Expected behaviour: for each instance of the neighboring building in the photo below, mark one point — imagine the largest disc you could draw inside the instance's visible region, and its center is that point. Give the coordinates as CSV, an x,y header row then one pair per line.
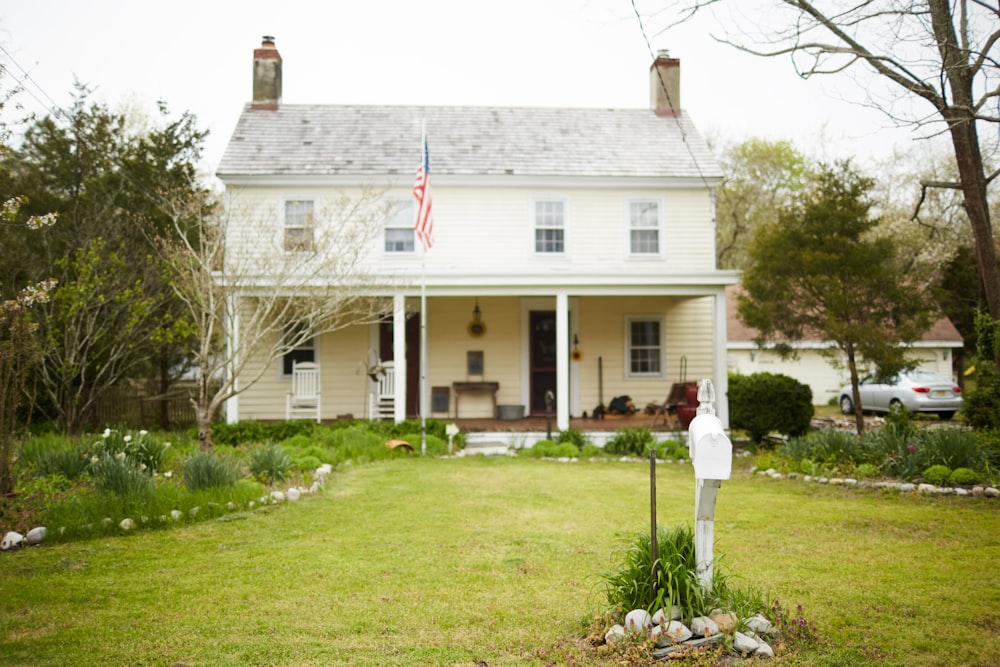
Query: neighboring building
x,y
582,241
935,351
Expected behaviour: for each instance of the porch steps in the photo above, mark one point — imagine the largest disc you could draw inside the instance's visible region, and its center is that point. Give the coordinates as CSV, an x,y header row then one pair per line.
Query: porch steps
x,y
486,448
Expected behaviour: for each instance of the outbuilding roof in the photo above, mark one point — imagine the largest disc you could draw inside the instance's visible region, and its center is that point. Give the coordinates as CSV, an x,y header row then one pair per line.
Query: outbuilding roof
x,y
371,141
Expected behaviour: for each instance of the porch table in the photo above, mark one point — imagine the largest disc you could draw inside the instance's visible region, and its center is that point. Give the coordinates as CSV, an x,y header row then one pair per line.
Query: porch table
x,y
476,387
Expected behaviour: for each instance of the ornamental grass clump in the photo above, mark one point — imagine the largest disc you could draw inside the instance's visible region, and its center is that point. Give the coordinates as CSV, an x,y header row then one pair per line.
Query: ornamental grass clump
x,y
205,470
630,585
631,442
119,474
269,463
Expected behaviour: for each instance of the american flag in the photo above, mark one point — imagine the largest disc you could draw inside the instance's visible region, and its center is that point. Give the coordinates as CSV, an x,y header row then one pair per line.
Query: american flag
x,y
422,191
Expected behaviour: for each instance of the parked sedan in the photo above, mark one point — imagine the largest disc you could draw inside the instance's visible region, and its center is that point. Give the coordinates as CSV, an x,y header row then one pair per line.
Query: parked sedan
x,y
918,391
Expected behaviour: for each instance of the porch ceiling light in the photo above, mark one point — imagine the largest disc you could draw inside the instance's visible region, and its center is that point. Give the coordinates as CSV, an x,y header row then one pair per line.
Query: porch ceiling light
x,y
477,327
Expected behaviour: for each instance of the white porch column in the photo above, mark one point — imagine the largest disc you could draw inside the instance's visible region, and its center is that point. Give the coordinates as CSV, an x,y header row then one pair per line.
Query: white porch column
x,y
399,357
720,369
562,361
233,344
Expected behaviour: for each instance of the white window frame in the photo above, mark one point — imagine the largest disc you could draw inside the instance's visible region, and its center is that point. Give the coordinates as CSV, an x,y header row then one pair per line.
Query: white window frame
x,y
536,227
630,373
308,226
394,220
631,225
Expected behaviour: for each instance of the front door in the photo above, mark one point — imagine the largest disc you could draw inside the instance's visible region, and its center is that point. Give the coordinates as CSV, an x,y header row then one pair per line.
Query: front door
x,y
542,358
412,359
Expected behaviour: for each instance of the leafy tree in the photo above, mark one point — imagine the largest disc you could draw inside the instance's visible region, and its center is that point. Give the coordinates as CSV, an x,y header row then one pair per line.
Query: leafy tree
x,y
937,61
113,310
762,177
819,272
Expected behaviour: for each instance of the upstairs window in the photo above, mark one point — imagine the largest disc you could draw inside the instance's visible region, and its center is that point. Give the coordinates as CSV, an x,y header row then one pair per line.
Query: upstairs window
x,y
550,227
399,226
298,225
644,342
644,228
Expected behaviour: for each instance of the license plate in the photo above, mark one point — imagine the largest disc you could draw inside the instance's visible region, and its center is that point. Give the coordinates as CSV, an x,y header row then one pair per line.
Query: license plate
x,y
941,393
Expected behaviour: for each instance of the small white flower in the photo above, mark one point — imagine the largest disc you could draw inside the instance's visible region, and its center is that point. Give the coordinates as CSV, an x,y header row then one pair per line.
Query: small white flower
x,y
127,438
120,456
166,444
93,459
143,432
168,474
142,466
107,432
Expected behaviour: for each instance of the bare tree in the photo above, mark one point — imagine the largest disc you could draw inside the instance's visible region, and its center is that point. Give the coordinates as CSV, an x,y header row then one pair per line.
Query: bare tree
x,y
255,295
943,52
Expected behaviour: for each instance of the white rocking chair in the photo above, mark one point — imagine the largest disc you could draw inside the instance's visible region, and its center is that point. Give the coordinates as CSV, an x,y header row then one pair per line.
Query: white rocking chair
x,y
303,400
383,395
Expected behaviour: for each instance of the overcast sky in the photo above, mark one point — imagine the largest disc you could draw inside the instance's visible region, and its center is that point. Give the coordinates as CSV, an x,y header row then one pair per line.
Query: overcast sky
x,y
577,53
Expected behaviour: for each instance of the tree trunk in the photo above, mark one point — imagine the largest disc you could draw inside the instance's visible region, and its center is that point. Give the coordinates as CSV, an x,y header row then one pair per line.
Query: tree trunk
x,y
852,367
960,116
204,418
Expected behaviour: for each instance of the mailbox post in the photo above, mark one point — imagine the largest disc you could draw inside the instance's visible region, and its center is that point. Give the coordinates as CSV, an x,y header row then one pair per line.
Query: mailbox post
x,y
712,455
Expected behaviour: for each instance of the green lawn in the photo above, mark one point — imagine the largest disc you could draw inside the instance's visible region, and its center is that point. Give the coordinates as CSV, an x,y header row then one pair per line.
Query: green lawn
x,y
453,562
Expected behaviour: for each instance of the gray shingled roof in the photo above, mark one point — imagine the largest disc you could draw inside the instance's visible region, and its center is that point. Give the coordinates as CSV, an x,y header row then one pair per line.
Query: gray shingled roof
x,y
321,140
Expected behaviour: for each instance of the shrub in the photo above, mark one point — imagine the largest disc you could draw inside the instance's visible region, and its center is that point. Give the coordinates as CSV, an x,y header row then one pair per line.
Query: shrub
x,y
547,448
573,436
937,474
952,447
591,451
764,402
204,470
964,476
269,463
631,442
259,432
671,449
865,471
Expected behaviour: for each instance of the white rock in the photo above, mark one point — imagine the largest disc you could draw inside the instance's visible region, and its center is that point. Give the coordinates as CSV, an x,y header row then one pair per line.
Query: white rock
x,y
850,481
194,511
127,524
764,650
106,521
760,625
906,487
991,492
959,491
36,535
324,470
926,488
11,540
744,643
637,621
836,481
978,491
176,515
231,506
656,634
293,494
615,634
703,626
661,618
277,496
677,632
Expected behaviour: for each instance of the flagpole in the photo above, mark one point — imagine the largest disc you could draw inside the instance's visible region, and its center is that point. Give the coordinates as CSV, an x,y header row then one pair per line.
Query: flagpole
x,y
423,312
423,354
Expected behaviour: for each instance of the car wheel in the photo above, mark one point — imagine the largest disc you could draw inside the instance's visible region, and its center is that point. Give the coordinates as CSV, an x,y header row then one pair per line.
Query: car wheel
x,y
945,416
846,405
896,406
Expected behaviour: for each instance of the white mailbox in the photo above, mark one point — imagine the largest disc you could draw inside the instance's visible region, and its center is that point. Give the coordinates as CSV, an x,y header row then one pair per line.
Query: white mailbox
x,y
710,447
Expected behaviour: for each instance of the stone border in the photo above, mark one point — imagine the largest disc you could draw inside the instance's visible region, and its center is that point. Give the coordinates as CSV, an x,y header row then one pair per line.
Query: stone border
x,y
977,491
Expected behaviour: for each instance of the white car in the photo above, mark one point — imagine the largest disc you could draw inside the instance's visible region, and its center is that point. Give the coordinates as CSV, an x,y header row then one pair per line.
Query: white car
x,y
918,391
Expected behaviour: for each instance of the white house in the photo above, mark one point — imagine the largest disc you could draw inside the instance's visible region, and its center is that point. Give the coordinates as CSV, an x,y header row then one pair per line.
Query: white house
x,y
934,351
574,249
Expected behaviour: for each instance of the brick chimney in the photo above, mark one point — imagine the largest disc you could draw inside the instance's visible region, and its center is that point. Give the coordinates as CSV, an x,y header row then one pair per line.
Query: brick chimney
x,y
266,75
665,84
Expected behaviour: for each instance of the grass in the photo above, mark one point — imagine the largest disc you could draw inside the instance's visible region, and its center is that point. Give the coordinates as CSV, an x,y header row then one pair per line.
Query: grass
x,y
452,562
